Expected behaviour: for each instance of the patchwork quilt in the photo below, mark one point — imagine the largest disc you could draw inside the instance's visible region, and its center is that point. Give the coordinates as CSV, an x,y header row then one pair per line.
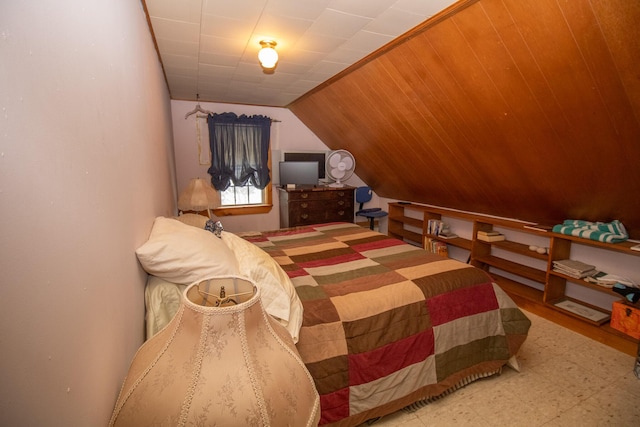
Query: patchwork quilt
x,y
387,324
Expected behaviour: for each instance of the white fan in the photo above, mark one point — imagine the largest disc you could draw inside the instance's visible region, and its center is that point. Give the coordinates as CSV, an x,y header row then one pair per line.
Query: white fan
x,y
340,165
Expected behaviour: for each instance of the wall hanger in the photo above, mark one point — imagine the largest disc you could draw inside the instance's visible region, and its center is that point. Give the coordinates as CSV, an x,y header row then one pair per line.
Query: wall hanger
x,y
198,109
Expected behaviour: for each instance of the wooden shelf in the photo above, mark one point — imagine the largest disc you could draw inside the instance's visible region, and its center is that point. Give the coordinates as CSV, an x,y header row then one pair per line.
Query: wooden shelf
x,y
512,267
456,241
584,283
519,248
514,288
407,220
413,236
622,247
606,319
537,301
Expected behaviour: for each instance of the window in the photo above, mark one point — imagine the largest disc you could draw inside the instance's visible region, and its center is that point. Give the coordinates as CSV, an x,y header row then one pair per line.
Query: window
x,y
245,195
244,200
240,163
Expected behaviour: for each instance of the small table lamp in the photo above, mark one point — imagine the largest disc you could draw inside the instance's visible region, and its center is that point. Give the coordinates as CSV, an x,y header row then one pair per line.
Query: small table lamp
x,y
222,361
198,196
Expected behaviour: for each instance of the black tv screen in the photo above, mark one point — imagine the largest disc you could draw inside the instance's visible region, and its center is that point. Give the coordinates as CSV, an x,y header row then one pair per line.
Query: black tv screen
x,y
299,173
308,157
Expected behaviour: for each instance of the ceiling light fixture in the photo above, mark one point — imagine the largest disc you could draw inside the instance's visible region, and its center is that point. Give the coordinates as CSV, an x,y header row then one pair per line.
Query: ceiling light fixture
x,y
268,56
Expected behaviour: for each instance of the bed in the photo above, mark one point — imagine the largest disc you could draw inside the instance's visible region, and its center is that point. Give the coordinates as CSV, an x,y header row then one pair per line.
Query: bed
x,y
380,324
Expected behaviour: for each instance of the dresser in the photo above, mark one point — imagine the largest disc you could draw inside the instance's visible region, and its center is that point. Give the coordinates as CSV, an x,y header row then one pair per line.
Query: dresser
x,y
305,206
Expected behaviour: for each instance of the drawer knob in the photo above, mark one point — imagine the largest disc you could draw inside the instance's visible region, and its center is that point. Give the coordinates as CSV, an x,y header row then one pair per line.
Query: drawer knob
x,y
304,205
304,216
341,202
341,193
304,195
341,213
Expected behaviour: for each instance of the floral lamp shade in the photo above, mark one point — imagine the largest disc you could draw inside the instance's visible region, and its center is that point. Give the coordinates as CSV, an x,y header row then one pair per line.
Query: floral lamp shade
x,y
221,361
198,196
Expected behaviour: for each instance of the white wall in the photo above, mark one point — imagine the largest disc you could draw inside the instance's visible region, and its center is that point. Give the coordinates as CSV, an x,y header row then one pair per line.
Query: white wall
x,y
86,163
288,134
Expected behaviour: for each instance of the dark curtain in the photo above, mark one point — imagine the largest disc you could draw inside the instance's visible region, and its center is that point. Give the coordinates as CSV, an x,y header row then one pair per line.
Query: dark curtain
x,y
239,150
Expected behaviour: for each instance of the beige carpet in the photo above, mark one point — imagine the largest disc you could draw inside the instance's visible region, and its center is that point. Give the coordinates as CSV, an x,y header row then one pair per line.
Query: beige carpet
x,y
565,379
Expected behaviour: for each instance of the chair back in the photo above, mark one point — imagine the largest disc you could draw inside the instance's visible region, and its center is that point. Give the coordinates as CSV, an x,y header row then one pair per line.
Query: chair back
x,y
363,195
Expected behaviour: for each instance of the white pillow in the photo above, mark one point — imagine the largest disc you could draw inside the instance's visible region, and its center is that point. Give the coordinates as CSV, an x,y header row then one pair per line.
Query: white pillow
x,y
279,296
162,299
184,254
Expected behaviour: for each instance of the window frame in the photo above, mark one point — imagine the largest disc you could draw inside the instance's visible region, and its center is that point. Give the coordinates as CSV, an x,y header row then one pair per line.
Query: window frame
x,y
262,208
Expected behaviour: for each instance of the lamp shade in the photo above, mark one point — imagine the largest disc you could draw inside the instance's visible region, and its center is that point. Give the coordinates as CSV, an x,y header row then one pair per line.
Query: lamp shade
x,y
225,365
198,196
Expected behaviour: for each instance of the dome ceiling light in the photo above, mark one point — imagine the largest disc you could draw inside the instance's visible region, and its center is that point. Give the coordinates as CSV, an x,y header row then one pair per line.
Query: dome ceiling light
x,y
268,56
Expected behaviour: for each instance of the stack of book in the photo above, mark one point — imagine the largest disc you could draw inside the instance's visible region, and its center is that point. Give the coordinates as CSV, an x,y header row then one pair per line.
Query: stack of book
x,y
573,268
435,226
490,236
438,228
436,247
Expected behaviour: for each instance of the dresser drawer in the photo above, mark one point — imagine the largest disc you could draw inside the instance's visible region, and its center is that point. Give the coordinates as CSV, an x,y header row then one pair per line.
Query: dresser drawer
x,y
320,195
311,215
321,205
317,206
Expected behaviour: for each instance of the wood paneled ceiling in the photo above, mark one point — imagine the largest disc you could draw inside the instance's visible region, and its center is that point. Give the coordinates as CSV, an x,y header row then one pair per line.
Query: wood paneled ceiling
x,y
527,109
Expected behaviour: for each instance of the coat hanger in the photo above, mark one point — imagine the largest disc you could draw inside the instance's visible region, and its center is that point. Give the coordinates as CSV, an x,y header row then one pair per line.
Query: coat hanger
x,y
198,109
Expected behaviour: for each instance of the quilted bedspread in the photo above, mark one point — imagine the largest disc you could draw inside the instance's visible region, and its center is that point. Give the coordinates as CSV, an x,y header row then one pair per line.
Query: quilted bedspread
x,y
387,324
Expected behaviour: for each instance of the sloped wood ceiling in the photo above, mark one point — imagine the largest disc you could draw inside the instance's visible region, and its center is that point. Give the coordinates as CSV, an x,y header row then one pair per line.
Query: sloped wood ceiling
x,y
526,109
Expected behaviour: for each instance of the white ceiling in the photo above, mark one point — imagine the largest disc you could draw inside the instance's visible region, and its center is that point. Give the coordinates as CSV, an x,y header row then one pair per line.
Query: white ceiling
x,y
210,48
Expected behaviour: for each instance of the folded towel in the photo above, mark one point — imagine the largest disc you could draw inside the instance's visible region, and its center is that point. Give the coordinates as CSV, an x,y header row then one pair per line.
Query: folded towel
x,y
608,232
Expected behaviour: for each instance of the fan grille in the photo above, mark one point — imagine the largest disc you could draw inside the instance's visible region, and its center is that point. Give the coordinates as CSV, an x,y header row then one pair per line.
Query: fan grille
x,y
340,166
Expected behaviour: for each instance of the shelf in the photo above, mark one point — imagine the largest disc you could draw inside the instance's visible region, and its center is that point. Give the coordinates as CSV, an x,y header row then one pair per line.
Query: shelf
x,y
623,247
408,220
583,304
514,288
512,267
456,241
408,235
519,248
584,283
485,256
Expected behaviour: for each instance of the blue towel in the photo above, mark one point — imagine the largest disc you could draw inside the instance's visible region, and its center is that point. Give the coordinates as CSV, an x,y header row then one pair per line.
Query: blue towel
x,y
608,232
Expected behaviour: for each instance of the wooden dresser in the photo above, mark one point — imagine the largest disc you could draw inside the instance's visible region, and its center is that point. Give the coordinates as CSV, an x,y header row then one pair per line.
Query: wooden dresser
x,y
306,206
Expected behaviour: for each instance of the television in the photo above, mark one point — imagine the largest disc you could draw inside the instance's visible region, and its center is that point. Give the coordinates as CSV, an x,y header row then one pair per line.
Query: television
x,y
308,156
299,173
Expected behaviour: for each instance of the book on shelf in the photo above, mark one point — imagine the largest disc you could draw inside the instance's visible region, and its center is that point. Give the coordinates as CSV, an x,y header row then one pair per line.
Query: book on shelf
x,y
491,238
488,233
436,247
435,226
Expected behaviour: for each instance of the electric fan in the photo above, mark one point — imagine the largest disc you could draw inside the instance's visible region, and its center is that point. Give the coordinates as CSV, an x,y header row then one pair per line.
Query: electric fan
x,y
340,166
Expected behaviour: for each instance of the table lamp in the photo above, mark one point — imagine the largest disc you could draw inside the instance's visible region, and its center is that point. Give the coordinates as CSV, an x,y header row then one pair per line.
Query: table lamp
x,y
223,361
